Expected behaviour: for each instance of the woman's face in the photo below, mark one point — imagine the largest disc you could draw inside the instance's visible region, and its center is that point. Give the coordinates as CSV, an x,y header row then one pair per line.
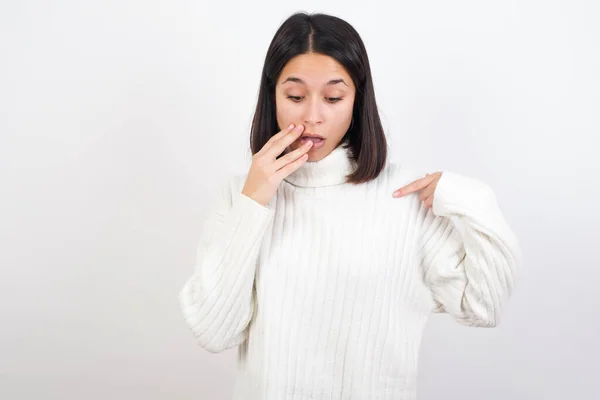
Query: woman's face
x,y
315,90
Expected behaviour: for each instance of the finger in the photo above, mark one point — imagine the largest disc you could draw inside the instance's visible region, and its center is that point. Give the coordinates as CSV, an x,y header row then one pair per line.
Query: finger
x,y
291,167
429,201
292,156
410,188
281,133
276,137
277,147
414,186
427,191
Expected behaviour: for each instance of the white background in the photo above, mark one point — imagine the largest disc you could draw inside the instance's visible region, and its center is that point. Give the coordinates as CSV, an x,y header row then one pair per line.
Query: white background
x,y
118,119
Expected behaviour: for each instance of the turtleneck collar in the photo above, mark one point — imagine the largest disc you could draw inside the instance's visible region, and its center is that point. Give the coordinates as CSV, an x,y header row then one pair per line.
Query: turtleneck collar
x,y
330,170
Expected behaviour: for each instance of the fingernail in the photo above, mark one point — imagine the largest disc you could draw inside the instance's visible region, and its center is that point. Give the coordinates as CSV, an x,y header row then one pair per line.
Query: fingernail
x,y
299,127
291,126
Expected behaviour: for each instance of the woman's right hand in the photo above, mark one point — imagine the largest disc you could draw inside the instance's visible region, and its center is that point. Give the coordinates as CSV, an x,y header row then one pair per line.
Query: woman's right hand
x,y
267,171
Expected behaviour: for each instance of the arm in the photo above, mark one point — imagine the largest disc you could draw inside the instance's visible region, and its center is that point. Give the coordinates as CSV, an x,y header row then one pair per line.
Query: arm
x,y
468,252
218,300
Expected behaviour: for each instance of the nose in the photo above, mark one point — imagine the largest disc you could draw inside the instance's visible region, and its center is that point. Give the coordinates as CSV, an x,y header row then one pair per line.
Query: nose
x,y
314,114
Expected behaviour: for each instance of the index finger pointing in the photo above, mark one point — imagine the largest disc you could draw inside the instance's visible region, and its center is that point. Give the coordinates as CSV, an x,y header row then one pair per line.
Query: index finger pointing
x,y
413,186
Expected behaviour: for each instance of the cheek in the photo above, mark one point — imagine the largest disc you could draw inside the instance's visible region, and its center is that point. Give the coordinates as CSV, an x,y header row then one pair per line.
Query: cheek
x,y
285,114
343,114
279,111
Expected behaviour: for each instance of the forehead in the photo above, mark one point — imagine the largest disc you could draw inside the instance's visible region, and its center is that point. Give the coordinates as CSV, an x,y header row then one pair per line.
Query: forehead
x,y
314,69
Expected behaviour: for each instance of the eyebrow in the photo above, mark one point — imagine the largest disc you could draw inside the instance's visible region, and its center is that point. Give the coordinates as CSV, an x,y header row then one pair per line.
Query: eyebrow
x,y
298,80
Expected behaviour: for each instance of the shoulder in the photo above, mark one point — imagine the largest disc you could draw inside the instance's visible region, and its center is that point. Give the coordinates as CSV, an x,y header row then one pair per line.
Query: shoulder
x,y
393,177
396,175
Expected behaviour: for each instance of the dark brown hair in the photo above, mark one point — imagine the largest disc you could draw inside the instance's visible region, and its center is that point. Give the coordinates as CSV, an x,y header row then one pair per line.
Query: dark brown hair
x,y
325,34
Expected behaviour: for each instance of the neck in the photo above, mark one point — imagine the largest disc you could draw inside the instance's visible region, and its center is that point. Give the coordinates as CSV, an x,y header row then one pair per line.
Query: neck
x,y
328,171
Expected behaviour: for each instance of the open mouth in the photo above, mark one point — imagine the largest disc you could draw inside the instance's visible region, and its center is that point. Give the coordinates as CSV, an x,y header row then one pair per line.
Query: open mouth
x,y
317,141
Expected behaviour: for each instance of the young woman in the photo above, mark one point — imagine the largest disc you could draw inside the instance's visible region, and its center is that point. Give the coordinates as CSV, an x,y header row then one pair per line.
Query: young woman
x,y
324,261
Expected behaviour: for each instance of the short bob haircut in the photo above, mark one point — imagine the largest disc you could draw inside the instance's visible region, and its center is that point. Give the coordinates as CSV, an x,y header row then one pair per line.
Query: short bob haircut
x,y
325,34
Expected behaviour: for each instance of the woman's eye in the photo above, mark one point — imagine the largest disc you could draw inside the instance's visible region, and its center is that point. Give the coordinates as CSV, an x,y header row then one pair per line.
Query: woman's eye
x,y
298,99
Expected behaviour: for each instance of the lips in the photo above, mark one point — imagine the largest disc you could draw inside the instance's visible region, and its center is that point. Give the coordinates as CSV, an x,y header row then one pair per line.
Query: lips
x,y
318,141
311,135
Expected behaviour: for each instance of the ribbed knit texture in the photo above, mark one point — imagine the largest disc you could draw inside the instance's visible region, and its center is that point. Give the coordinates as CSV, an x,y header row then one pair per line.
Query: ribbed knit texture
x,y
328,288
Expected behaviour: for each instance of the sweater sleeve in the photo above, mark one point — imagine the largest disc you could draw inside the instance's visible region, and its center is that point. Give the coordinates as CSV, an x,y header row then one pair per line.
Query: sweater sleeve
x,y
468,252
218,300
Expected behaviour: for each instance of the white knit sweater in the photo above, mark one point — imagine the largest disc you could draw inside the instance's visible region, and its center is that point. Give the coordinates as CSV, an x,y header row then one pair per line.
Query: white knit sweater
x,y
327,290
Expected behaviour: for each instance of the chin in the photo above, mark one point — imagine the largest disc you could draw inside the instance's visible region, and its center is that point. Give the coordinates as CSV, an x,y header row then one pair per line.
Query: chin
x,y
314,155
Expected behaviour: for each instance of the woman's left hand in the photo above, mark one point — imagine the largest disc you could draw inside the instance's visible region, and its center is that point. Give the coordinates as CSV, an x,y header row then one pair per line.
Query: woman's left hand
x,y
425,185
